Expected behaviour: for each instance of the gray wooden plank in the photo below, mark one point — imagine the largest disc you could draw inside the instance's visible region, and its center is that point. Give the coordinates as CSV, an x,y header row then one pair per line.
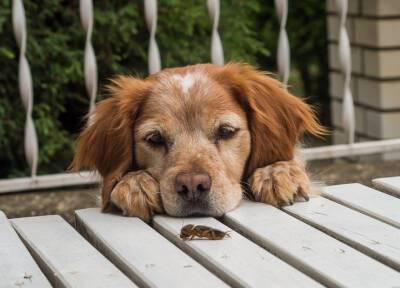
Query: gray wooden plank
x,y
142,253
360,231
48,181
238,261
324,258
67,259
366,200
390,185
17,267
343,150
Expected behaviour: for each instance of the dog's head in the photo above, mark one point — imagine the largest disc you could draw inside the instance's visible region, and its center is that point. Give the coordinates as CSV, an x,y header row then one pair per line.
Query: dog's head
x,y
198,130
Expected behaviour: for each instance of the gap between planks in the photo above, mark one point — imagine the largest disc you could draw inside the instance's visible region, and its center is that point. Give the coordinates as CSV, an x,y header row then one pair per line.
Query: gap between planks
x,y
237,260
67,259
364,233
141,252
317,254
389,185
17,267
366,200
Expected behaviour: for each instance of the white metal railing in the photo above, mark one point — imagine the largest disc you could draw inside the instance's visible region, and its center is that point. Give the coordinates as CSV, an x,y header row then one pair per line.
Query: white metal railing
x,y
86,9
217,52
150,8
348,116
25,86
283,53
217,57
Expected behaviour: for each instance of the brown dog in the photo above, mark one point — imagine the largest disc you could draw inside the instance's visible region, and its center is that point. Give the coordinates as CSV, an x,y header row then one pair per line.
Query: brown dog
x,y
185,140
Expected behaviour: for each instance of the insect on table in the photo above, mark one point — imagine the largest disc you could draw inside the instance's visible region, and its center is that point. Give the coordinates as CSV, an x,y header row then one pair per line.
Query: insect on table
x,y
190,231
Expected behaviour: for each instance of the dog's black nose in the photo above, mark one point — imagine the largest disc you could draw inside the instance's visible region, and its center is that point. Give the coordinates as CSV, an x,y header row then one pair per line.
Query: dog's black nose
x,y
192,186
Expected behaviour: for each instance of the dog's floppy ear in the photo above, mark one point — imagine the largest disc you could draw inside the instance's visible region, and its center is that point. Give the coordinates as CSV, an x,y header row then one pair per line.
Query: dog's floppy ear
x,y
106,143
277,119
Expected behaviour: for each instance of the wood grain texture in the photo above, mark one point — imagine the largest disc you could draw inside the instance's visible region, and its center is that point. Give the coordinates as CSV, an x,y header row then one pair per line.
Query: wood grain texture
x,y
360,231
343,150
238,261
366,200
67,259
390,185
322,257
48,181
17,267
142,253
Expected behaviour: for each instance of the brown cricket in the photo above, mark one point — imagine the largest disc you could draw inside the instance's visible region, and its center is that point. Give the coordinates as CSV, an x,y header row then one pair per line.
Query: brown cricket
x,y
190,231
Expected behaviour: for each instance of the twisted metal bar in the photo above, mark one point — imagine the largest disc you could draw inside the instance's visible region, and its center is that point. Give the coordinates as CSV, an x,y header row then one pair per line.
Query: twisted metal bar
x,y
348,117
25,86
283,55
86,11
150,9
217,52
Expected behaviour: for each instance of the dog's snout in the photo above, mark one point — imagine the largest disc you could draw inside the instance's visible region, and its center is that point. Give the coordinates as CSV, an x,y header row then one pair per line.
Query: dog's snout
x,y
192,186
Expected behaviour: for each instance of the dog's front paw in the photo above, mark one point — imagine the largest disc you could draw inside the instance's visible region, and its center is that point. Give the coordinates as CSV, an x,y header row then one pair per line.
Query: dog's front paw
x,y
137,194
280,183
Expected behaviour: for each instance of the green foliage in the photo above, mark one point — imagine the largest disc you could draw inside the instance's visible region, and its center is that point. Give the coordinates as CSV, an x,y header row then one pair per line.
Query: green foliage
x,y
55,53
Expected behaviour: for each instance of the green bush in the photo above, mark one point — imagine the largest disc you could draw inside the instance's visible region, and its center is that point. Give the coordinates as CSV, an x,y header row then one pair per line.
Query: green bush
x,y
55,53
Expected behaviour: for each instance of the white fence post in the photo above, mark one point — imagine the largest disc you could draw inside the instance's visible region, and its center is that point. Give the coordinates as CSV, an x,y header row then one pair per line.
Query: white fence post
x,y
25,86
86,11
283,55
150,9
217,52
348,117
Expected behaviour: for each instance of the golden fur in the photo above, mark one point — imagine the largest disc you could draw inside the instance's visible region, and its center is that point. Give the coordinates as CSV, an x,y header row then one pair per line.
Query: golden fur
x,y
187,107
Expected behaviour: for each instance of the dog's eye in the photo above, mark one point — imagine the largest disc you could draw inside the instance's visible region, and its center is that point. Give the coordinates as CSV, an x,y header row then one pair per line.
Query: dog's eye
x,y
155,139
226,132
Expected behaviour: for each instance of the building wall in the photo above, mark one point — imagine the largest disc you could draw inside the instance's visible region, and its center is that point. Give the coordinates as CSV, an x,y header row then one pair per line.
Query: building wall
x,y
374,32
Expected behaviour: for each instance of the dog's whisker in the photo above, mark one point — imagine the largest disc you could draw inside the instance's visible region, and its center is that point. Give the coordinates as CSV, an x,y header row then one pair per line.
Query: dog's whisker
x,y
245,184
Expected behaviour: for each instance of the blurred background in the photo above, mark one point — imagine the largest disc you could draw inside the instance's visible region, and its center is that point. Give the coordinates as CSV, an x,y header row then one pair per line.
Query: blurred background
x,y
249,31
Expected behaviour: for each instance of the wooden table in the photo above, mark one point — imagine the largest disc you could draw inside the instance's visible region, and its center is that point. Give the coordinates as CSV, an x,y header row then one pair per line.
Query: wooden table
x,y
348,237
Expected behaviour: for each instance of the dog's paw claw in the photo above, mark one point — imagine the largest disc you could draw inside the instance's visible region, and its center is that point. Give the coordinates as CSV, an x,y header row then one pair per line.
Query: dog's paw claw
x,y
280,183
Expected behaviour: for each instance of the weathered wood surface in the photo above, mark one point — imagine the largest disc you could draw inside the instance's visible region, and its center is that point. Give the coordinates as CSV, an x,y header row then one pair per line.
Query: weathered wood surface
x,y
360,231
67,259
324,258
17,267
366,200
348,237
344,150
48,181
390,185
238,261
142,253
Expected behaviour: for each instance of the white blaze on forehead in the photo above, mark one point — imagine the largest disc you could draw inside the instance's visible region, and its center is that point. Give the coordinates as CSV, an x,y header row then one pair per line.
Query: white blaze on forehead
x,y
186,81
